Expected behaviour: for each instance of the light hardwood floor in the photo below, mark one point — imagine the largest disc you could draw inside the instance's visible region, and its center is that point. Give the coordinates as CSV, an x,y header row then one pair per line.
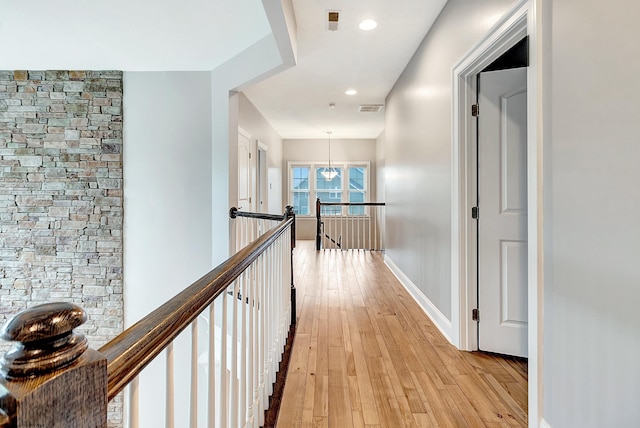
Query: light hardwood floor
x,y
365,355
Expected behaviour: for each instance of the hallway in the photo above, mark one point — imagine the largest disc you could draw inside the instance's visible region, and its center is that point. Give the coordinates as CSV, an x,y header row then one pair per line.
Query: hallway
x,y
365,355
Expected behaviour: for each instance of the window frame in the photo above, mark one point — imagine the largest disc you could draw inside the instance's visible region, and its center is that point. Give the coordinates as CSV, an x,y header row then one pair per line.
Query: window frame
x,y
313,167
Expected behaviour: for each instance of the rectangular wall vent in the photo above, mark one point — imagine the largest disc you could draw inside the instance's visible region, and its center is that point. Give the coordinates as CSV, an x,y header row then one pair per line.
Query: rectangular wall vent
x,y
370,108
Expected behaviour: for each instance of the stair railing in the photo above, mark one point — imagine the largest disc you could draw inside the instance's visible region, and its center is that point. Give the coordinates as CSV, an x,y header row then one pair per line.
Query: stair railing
x,y
51,378
350,225
248,226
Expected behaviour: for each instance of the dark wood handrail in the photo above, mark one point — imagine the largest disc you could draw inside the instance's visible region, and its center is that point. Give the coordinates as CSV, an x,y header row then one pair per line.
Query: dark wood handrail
x,y
136,347
347,204
233,213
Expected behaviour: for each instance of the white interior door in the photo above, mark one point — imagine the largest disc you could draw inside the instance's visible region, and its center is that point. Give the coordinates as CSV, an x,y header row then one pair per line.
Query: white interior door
x,y
502,202
245,188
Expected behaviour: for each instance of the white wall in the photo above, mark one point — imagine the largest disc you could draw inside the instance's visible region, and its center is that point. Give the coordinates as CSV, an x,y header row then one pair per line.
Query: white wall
x,y
251,120
167,199
417,149
592,201
380,169
380,174
167,185
318,151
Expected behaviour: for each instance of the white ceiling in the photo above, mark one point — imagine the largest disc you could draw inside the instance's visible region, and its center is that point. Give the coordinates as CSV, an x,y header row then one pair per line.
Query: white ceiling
x,y
127,35
137,35
296,101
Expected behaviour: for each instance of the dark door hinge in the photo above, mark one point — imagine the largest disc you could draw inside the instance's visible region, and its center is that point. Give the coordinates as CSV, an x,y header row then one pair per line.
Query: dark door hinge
x,y
475,110
475,315
475,212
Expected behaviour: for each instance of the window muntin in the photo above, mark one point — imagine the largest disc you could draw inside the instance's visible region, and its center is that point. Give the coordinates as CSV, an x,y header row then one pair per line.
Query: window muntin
x,y
357,189
349,185
329,190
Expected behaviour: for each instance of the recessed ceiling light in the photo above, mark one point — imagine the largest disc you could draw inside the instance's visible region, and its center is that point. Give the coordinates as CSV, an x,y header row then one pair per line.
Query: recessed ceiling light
x,y
368,24
350,92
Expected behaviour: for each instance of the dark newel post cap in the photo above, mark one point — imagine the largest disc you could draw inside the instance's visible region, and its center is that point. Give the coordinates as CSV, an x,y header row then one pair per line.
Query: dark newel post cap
x,y
288,211
233,212
44,339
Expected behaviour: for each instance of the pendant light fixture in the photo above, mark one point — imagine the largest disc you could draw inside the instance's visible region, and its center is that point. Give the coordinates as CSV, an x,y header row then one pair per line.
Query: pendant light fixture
x,y
329,173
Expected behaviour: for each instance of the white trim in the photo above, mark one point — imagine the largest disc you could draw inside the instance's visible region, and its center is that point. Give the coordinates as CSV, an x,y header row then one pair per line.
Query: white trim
x,y
438,318
535,202
521,20
544,424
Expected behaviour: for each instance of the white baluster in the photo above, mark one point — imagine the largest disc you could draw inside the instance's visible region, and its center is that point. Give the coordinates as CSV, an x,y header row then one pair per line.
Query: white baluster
x,y
333,231
169,405
243,348
381,227
211,410
356,232
374,220
276,326
250,344
360,244
134,403
260,337
261,334
362,225
371,212
341,227
278,319
224,381
193,408
233,395
267,327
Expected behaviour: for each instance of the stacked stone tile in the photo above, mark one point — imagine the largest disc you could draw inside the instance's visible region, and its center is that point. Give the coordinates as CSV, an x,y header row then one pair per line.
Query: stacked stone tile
x,y
61,194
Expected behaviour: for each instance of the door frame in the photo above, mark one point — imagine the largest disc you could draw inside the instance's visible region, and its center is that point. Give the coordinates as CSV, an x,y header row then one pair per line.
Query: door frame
x,y
262,179
517,23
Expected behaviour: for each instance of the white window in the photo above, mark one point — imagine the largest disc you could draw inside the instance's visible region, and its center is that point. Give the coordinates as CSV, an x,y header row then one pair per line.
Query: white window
x,y
349,184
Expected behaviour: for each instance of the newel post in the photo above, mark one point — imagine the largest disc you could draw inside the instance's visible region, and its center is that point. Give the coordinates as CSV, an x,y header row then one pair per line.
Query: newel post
x,y
50,377
318,226
289,213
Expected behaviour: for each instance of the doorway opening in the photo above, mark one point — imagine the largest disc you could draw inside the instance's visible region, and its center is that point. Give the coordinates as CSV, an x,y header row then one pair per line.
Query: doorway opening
x,y
246,172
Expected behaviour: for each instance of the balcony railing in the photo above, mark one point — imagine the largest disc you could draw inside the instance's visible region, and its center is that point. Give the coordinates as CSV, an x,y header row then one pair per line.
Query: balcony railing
x,y
350,225
242,310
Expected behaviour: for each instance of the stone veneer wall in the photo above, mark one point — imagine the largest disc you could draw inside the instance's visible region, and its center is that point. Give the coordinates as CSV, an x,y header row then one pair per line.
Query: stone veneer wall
x,y
61,196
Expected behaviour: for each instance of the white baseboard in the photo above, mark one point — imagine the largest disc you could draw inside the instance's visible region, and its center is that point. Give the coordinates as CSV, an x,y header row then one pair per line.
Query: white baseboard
x,y
544,424
440,321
